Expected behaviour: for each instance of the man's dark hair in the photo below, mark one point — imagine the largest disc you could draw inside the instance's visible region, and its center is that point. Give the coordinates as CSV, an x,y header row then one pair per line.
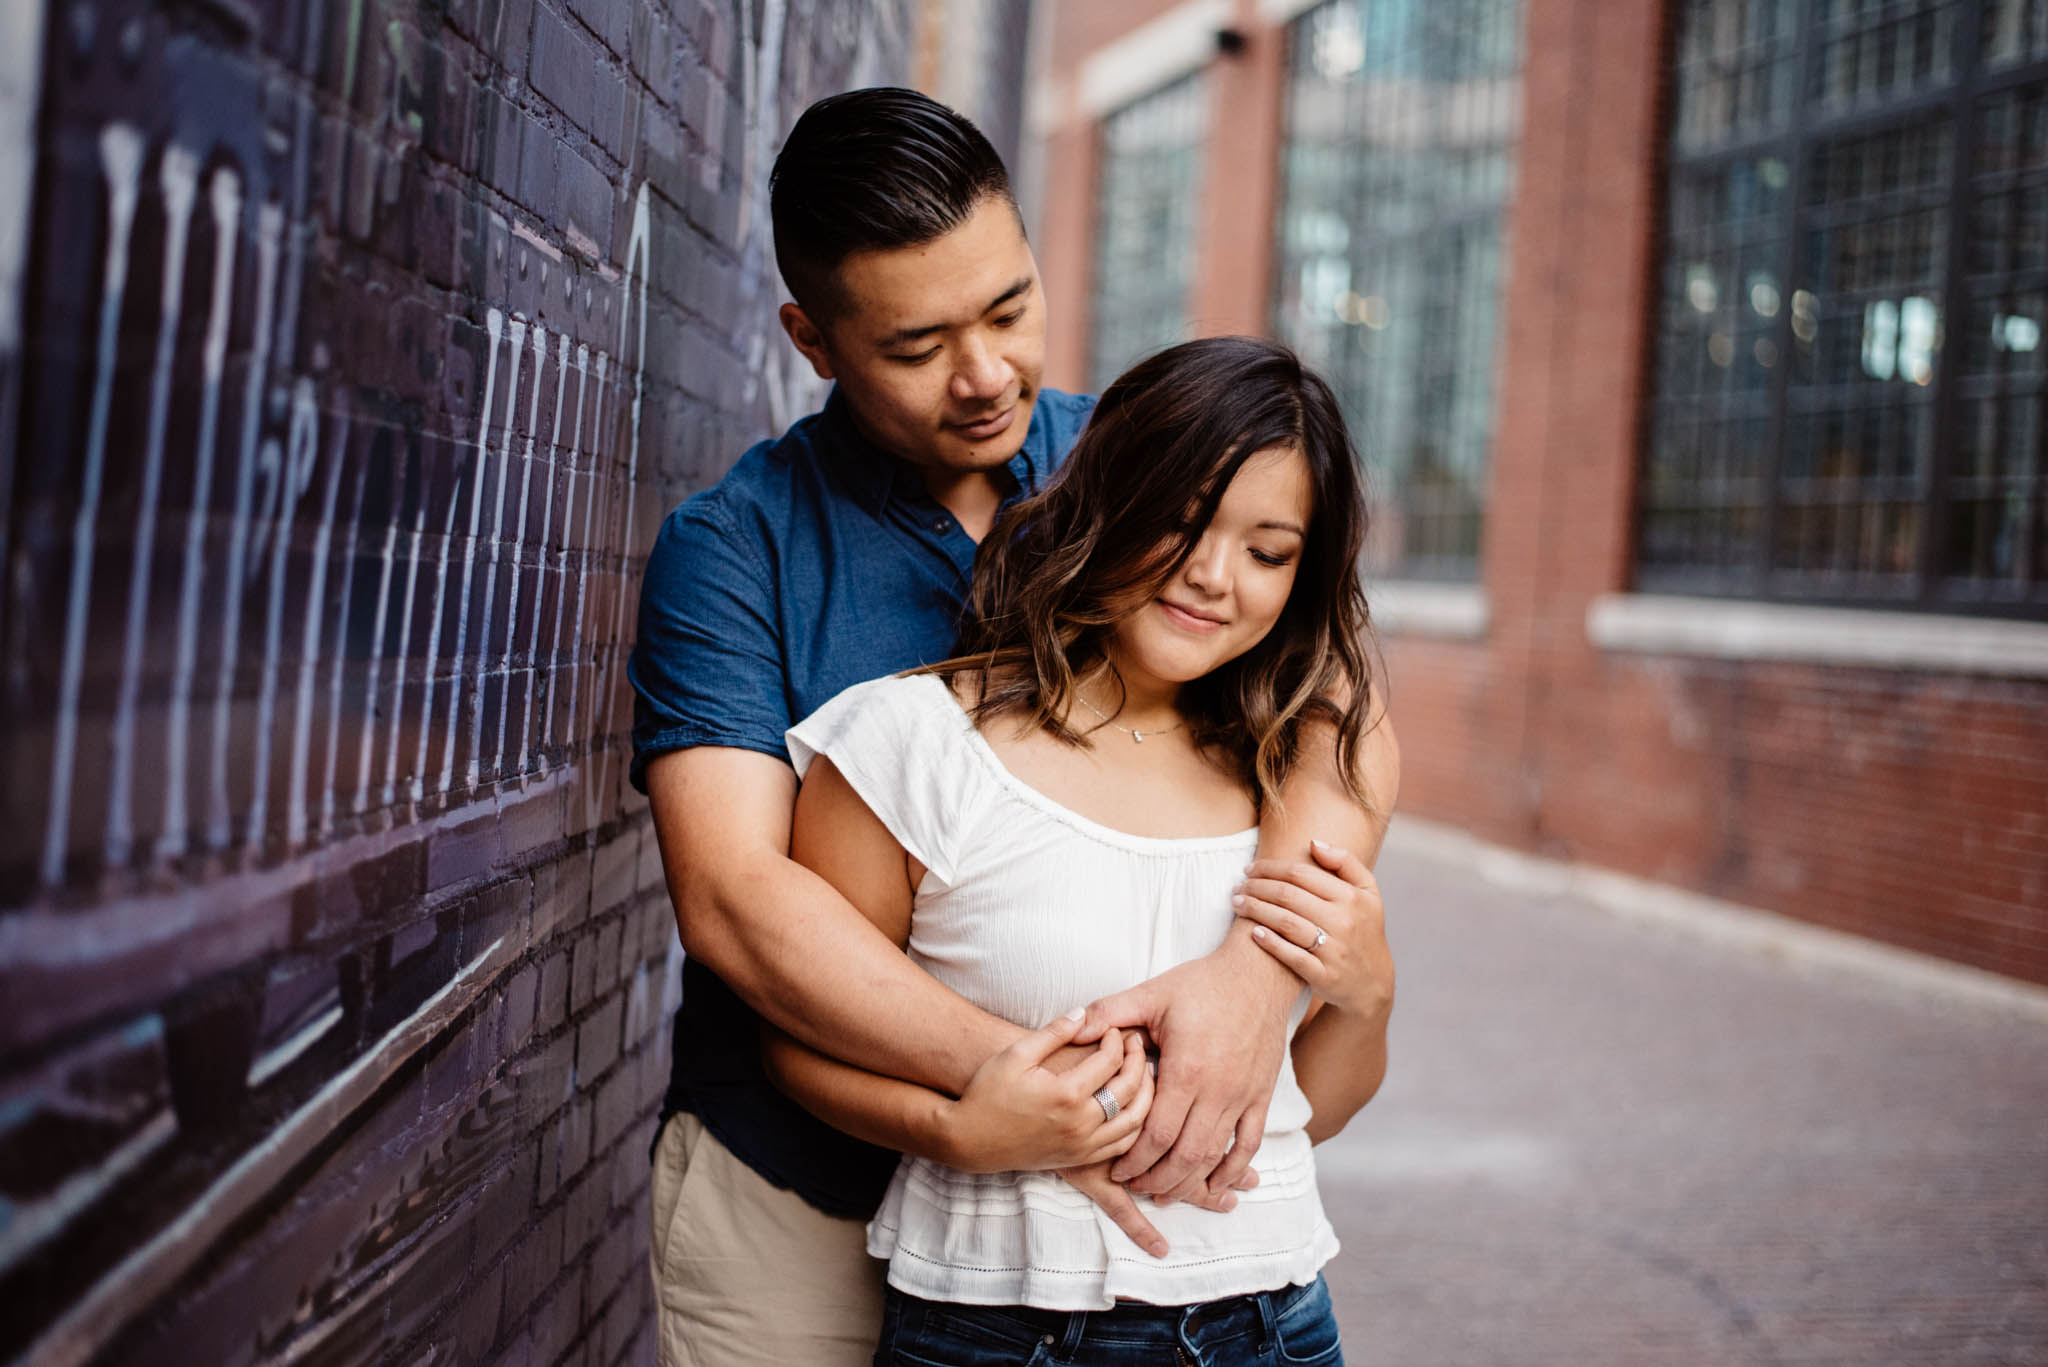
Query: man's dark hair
x,y
878,168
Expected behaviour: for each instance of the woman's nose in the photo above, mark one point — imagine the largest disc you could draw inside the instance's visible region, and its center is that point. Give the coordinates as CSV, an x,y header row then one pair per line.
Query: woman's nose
x,y
1208,569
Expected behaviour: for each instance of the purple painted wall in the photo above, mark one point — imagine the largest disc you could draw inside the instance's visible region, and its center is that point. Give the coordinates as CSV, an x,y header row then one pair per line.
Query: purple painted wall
x,y
350,351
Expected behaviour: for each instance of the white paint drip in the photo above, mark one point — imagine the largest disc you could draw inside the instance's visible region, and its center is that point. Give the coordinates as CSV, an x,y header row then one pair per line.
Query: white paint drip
x,y
540,360
494,324
547,734
589,551
121,153
330,793
293,475
412,582
562,560
309,656
480,683
381,621
547,530
269,226
515,348
636,244
225,199
179,179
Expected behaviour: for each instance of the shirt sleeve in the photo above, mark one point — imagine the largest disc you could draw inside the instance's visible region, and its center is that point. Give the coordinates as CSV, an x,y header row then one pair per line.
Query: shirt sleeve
x,y
706,667
904,758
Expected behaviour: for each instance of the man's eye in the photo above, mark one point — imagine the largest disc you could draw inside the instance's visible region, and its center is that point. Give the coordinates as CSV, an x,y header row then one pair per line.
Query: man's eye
x,y
919,359
1009,319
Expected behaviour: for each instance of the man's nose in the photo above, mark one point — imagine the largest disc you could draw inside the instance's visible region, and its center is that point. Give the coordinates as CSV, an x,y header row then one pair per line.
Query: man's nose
x,y
981,372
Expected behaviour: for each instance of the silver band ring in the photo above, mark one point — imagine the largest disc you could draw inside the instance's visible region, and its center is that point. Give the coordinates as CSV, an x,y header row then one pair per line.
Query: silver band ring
x,y
1322,938
1107,1100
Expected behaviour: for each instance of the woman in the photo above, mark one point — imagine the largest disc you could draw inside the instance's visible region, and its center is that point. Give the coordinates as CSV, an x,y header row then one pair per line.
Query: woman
x,y
1067,808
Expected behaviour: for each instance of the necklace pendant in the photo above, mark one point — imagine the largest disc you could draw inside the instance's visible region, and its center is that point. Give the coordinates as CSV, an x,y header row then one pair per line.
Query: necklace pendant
x,y
1137,737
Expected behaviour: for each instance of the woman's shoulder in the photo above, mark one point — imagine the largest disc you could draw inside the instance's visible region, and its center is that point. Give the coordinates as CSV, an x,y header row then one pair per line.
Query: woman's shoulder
x,y
898,712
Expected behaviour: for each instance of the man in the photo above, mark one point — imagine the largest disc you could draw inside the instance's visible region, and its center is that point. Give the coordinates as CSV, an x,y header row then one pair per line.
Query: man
x,y
838,553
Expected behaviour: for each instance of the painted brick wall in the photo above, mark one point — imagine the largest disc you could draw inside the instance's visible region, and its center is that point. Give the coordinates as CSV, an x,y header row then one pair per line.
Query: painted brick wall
x,y
353,349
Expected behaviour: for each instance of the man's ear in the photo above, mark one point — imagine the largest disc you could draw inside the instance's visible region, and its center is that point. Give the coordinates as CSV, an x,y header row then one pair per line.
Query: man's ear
x,y
807,338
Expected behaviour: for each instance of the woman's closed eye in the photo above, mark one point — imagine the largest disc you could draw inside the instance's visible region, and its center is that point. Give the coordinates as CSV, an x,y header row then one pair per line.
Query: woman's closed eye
x,y
1272,559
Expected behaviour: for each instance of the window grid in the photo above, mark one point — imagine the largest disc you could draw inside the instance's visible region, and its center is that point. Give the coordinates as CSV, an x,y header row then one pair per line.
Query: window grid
x,y
1848,388
1145,239
1402,123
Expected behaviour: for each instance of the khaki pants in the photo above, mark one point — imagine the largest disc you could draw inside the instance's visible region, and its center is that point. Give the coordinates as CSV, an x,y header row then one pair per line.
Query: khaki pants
x,y
747,1273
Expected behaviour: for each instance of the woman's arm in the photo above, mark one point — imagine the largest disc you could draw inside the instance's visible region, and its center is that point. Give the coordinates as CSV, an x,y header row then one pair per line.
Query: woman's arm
x,y
1017,1112
995,1126
1324,921
1340,1051
1221,1020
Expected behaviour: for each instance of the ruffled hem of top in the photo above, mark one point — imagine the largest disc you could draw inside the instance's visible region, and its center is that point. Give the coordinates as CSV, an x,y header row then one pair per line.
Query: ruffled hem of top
x,y
1031,1239
1057,1288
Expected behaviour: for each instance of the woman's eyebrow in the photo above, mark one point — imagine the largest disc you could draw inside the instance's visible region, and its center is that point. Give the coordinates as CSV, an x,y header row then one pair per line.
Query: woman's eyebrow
x,y
1294,527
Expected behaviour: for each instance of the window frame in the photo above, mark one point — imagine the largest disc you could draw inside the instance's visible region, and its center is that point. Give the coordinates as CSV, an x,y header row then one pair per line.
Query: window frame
x,y
1809,131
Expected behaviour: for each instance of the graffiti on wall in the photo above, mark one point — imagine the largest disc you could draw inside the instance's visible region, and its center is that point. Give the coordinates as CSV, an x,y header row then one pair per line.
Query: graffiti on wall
x,y
356,347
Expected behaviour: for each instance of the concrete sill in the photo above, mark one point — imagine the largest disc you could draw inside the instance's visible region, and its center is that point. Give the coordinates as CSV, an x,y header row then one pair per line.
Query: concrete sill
x,y
1664,624
1456,612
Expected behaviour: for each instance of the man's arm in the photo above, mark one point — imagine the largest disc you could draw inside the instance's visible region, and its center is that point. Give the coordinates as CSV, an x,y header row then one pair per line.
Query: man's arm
x,y
786,941
1221,1021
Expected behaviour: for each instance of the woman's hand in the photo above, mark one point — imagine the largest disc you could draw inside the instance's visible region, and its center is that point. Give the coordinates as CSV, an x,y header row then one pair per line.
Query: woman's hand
x,y
1021,1112
1337,899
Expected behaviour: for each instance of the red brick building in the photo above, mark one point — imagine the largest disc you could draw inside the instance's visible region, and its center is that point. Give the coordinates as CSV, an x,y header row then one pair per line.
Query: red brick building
x,y
1695,350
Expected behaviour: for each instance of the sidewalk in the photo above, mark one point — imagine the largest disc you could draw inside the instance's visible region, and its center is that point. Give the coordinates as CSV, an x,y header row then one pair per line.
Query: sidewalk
x,y
1601,1142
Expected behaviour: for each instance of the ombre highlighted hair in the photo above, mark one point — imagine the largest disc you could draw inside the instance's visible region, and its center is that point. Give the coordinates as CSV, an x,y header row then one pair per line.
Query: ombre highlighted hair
x,y
1107,534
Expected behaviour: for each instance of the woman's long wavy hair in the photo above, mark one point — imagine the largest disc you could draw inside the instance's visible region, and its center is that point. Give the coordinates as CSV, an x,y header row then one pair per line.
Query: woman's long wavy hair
x,y
1109,532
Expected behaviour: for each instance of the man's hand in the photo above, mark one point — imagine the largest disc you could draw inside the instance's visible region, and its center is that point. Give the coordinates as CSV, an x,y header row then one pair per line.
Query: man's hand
x,y
1221,1025
1336,899
1094,1181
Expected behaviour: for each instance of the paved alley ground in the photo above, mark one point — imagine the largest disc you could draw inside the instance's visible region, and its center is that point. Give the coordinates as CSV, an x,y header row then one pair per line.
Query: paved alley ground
x,y
1602,1142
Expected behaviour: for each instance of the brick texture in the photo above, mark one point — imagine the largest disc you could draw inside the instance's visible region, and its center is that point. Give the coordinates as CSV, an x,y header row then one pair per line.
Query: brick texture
x,y
1908,806
367,344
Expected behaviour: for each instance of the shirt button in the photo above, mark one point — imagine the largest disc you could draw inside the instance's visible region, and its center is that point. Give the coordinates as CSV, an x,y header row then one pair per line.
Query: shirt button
x,y
942,524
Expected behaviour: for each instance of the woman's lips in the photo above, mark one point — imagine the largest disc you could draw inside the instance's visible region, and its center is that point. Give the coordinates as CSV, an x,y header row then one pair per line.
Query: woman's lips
x,y
987,427
1186,620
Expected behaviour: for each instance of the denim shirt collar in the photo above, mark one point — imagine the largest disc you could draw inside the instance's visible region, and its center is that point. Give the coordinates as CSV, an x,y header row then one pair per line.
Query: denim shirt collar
x,y
880,480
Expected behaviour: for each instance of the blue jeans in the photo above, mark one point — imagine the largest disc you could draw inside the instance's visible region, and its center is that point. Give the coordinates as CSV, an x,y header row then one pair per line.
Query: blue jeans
x,y
1283,1328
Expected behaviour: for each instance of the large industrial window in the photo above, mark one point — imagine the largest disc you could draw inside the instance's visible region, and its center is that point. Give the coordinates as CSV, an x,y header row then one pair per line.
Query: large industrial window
x,y
1402,122
1146,196
1848,398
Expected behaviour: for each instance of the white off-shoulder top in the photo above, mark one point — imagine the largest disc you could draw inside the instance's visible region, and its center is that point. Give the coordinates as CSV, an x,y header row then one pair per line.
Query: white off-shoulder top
x,y
1029,909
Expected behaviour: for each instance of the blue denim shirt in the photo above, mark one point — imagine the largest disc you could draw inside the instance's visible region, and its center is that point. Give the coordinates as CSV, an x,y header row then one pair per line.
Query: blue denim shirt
x,y
817,563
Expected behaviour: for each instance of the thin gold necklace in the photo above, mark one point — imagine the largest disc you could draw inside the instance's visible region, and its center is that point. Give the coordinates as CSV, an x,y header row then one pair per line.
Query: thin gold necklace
x,y
1136,735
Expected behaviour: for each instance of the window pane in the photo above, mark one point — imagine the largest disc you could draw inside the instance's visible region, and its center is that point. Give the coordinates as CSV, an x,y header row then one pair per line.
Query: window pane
x,y
1871,51
1872,263
2015,31
1735,72
1402,122
1848,388
1995,478
1145,228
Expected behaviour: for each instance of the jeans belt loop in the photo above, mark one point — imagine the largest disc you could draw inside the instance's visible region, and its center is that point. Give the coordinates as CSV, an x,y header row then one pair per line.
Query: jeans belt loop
x,y
1077,1330
1267,1334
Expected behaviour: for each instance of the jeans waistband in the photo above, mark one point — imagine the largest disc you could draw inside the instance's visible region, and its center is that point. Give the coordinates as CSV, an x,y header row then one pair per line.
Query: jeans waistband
x,y
1132,1323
